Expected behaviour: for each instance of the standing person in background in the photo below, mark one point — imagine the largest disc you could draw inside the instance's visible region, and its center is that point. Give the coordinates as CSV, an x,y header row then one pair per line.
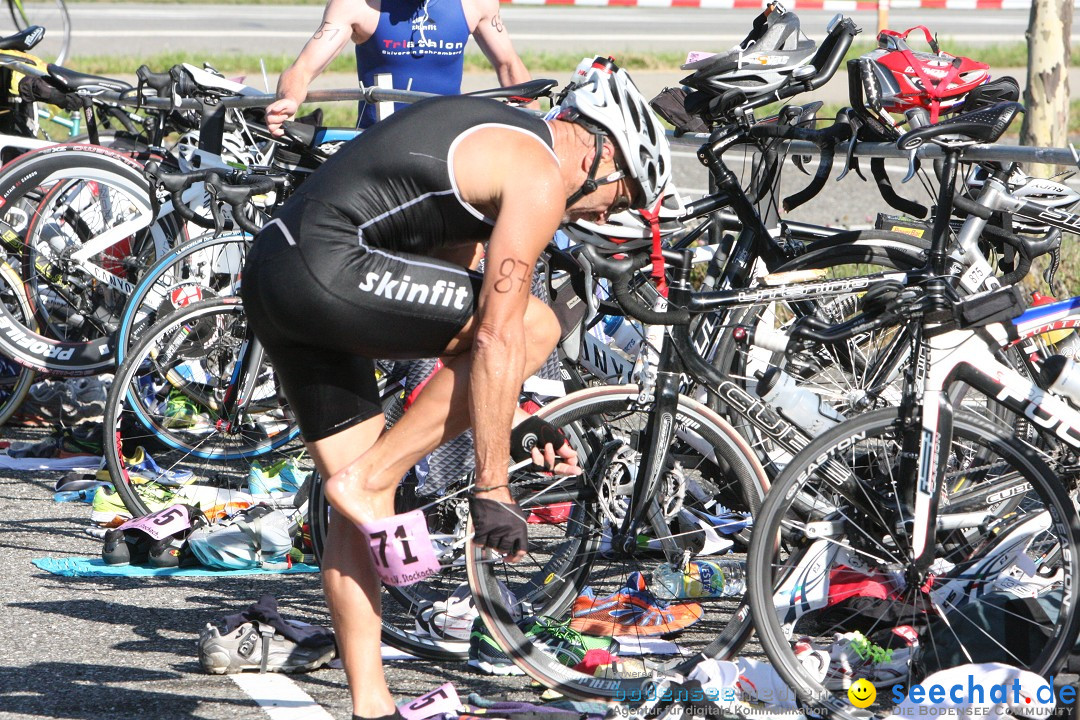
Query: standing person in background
x,y
421,43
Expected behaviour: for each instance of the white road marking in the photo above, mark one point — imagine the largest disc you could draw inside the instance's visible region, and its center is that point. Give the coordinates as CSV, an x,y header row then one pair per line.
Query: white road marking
x,y
280,697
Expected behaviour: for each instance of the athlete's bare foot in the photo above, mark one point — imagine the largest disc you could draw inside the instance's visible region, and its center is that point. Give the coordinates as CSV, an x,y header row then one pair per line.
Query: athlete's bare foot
x,y
360,495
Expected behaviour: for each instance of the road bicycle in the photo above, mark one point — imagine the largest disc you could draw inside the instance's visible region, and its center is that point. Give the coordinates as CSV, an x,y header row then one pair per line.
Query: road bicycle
x,y
533,584
966,532
82,223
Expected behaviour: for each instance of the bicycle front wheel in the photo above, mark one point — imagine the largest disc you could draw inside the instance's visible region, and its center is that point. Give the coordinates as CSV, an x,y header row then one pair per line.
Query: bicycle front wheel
x,y
575,591
830,564
169,401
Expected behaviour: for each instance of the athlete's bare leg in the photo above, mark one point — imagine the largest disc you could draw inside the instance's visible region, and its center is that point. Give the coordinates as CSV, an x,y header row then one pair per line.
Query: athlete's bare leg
x,y
362,488
349,581
440,413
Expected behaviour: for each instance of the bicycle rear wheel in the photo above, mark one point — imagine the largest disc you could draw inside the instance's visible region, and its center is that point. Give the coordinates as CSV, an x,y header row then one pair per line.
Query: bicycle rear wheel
x,y
169,399
15,379
61,203
831,570
558,589
204,267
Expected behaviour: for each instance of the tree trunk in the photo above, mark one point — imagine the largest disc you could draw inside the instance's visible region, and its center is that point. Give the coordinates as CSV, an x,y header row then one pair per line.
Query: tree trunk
x,y
1047,95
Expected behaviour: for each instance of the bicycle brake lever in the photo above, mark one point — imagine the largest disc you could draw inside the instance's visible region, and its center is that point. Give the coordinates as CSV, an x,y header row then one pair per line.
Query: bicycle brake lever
x,y
911,165
851,163
215,207
800,161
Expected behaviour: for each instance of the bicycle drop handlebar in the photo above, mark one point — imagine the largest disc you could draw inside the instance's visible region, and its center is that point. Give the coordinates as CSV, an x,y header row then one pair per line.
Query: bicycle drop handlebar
x,y
224,186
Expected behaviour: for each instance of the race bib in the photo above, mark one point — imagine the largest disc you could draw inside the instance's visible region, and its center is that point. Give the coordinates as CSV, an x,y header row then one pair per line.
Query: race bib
x,y
441,700
161,524
401,548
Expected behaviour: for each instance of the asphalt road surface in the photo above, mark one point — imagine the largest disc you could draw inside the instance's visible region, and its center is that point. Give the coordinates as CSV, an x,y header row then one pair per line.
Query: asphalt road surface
x,y
126,648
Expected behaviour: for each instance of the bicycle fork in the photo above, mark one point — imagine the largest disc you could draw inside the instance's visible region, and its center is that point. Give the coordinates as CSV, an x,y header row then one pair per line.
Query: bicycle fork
x,y
661,378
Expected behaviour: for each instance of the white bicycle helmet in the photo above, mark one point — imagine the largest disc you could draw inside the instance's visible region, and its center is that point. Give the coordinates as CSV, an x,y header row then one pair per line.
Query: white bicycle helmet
x,y
603,98
628,230
761,63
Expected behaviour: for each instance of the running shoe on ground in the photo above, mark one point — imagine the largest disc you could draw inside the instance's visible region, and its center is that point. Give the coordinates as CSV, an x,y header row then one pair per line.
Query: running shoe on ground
x,y
142,467
853,657
567,645
282,478
83,441
452,619
248,647
108,508
181,413
631,610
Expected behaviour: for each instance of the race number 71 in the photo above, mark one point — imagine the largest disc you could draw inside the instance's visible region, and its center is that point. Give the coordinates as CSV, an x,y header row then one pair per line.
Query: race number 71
x,y
401,548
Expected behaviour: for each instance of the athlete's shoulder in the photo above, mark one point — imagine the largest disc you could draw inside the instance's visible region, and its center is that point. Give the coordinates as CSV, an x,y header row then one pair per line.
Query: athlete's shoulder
x,y
353,12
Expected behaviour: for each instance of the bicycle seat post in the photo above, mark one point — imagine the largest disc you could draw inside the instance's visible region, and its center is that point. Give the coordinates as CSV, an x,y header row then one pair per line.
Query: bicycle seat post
x,y
939,245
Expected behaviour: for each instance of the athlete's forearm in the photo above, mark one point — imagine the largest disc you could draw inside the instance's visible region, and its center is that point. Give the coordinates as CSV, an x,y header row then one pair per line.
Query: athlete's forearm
x,y
512,73
495,383
293,85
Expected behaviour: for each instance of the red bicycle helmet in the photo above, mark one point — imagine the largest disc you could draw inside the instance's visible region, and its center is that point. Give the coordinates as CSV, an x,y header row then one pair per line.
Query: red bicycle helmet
x,y
935,81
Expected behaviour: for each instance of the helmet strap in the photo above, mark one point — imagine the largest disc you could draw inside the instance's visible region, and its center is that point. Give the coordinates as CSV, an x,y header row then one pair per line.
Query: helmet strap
x,y
590,185
657,253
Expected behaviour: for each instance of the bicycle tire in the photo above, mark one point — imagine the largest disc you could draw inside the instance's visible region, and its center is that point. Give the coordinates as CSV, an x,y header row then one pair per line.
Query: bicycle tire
x,y
15,379
160,399
1044,525
187,273
549,580
24,185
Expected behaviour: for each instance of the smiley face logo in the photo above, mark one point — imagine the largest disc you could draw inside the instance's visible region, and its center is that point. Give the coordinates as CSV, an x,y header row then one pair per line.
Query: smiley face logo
x,y
862,693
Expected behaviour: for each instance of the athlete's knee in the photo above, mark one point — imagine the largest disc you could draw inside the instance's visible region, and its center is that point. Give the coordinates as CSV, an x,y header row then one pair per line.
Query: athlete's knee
x,y
541,327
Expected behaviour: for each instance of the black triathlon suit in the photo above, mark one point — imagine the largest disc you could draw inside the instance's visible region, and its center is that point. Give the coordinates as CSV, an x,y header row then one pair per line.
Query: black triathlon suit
x,y
342,274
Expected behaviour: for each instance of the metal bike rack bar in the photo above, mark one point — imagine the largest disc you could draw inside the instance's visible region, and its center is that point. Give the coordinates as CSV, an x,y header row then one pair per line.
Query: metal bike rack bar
x,y
1001,153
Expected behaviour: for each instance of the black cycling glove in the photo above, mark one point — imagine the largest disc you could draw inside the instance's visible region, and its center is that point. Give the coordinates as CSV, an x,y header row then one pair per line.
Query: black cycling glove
x,y
499,526
534,432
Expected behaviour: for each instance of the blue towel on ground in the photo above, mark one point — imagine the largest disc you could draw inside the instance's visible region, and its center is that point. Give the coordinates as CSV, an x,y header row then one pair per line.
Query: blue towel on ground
x,y
91,567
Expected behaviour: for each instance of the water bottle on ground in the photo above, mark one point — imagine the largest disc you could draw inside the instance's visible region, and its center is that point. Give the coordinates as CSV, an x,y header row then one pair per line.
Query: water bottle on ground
x,y
703,578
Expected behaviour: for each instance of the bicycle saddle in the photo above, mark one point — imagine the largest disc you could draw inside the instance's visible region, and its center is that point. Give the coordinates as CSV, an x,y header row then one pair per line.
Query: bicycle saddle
x,y
23,40
984,126
531,89
72,80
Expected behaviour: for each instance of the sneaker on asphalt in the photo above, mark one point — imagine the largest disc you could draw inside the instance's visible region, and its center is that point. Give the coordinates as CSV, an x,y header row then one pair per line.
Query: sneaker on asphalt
x,y
485,654
556,638
452,619
142,467
631,610
108,507
283,477
253,646
853,657
181,413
